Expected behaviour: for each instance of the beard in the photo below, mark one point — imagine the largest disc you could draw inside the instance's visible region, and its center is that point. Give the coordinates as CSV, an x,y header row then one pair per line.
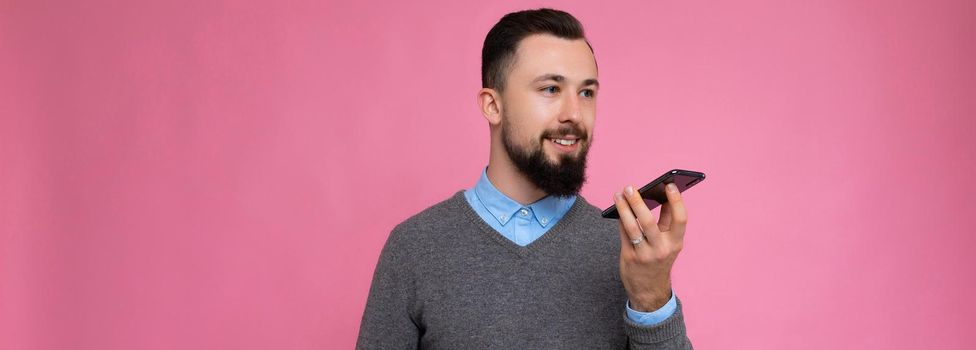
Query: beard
x,y
564,179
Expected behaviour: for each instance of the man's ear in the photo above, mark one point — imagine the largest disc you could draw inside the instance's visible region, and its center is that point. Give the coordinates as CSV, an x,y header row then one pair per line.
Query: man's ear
x,y
491,106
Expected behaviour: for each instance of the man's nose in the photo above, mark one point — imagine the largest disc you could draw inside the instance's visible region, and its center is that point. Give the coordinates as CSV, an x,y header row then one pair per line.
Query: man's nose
x,y
571,111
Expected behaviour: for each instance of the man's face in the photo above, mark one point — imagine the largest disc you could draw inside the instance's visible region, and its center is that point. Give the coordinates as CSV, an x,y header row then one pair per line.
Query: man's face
x,y
550,98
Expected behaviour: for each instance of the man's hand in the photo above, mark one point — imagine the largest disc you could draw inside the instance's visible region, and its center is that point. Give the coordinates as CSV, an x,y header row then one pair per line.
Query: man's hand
x,y
645,267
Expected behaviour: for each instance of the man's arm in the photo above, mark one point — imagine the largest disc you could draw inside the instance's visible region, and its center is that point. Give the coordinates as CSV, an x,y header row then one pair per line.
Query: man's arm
x,y
648,250
387,322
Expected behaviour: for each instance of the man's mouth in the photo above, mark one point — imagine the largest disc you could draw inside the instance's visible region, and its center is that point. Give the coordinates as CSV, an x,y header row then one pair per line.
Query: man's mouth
x,y
566,144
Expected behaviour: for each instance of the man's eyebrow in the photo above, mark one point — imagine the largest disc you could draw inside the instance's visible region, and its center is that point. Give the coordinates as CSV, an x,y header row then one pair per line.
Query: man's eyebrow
x,y
554,77
559,79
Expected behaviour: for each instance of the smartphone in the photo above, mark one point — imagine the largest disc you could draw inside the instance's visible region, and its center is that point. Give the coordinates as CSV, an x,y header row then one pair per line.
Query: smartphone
x,y
653,192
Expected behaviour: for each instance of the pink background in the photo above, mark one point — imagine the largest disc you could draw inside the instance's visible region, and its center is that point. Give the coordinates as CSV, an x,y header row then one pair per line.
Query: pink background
x,y
223,174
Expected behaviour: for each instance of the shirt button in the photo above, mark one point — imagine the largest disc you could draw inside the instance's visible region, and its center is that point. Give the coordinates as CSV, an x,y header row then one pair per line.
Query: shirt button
x,y
523,212
502,217
545,220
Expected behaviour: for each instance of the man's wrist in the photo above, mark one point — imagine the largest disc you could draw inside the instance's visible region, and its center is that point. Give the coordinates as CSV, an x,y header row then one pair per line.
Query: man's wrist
x,y
653,318
651,301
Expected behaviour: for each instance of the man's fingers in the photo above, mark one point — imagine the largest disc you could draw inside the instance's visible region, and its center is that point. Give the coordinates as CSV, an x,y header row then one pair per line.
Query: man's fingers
x,y
664,220
647,223
679,216
627,222
625,242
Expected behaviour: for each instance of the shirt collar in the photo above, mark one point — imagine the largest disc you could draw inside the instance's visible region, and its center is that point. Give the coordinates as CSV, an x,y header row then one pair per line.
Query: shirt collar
x,y
545,210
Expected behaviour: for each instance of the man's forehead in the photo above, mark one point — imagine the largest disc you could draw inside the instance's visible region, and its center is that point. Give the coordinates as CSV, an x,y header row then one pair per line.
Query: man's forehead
x,y
545,56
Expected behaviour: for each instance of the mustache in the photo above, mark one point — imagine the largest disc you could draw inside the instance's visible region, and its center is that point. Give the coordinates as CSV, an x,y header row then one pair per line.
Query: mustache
x,y
564,131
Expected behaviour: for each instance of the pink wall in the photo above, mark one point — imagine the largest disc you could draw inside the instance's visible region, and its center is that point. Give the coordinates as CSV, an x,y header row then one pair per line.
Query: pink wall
x,y
217,175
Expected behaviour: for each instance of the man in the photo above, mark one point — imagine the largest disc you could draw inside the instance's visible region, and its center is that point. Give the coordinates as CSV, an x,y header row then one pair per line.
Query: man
x,y
521,261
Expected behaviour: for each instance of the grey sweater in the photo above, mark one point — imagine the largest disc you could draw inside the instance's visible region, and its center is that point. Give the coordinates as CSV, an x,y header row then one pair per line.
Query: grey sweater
x,y
447,280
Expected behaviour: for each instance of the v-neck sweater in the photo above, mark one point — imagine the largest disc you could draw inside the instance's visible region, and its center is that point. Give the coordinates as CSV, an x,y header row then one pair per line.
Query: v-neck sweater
x,y
447,280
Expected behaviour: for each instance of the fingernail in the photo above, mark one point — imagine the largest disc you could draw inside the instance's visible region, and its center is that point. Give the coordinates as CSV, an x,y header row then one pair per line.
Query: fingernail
x,y
630,190
672,187
616,195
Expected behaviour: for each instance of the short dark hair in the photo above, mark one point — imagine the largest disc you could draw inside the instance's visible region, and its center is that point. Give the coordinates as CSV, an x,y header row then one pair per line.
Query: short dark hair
x,y
498,53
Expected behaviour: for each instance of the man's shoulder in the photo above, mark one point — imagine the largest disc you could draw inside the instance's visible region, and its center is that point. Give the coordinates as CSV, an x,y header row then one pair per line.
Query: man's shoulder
x,y
435,214
587,208
592,215
589,219
433,220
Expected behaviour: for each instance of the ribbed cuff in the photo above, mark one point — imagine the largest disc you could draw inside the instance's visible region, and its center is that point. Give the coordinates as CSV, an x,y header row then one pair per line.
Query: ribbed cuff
x,y
671,327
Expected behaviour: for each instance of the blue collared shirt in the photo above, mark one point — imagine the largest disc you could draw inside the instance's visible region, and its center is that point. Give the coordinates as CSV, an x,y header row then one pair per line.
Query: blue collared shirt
x,y
524,224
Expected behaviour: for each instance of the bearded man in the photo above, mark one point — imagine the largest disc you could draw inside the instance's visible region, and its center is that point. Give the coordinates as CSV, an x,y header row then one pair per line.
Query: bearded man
x,y
521,260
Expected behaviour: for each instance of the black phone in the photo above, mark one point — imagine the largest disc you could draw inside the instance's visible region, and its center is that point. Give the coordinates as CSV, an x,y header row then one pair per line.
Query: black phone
x,y
653,192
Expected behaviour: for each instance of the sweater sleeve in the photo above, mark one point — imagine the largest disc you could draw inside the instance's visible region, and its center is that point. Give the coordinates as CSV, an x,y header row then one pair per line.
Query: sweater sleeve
x,y
653,317
669,334
387,322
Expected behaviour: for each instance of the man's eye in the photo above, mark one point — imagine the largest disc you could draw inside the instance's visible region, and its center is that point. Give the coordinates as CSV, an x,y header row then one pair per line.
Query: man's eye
x,y
551,89
587,93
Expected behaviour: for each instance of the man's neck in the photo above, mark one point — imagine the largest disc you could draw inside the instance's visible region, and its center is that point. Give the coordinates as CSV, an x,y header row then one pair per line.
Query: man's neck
x,y
512,183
